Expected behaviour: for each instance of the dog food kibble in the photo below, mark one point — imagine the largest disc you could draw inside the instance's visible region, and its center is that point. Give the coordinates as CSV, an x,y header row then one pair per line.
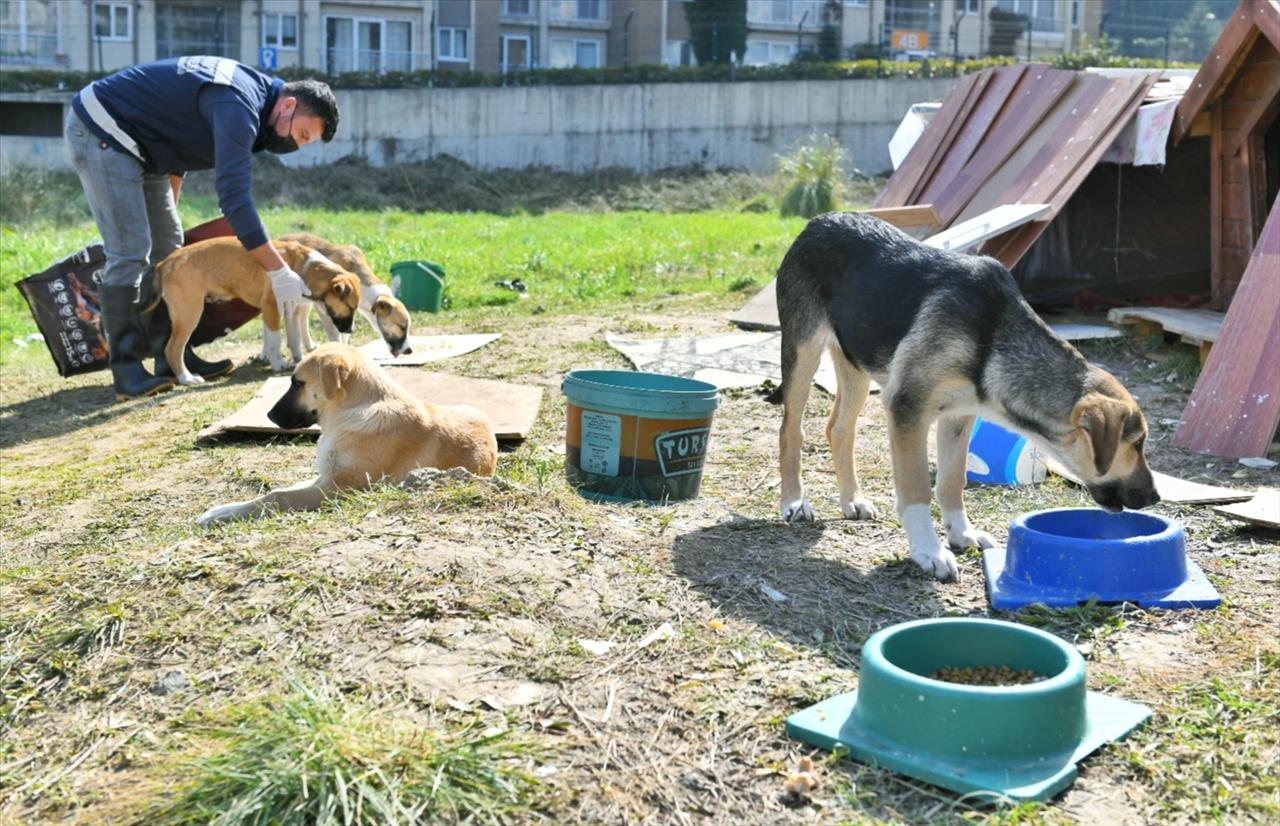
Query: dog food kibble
x,y
987,675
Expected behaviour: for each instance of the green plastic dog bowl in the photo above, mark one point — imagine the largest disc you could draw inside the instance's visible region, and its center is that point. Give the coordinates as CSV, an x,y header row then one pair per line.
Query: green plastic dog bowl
x,y
1021,742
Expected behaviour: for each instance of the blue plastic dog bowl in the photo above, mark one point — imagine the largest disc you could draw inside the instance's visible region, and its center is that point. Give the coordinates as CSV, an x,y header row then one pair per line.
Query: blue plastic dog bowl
x,y
1066,556
1021,741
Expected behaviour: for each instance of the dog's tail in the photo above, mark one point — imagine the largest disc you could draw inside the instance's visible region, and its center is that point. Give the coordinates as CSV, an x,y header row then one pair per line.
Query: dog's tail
x,y
151,290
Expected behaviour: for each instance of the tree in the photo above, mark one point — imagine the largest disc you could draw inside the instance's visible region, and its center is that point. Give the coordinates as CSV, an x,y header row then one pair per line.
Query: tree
x,y
717,29
829,37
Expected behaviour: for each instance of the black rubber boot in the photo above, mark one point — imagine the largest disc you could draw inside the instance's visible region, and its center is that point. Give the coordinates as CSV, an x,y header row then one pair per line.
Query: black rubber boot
x,y
127,343
158,329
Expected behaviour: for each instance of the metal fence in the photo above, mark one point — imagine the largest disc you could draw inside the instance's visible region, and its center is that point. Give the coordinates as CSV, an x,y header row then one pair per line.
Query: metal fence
x,y
27,49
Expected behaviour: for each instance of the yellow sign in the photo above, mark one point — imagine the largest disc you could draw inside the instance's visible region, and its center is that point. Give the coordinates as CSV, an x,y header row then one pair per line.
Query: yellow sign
x,y
907,40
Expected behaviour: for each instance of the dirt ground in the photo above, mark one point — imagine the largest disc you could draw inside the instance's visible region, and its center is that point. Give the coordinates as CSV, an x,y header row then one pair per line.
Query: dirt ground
x,y
653,652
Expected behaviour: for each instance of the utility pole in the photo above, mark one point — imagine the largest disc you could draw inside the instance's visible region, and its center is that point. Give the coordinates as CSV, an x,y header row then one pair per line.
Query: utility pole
x,y
626,40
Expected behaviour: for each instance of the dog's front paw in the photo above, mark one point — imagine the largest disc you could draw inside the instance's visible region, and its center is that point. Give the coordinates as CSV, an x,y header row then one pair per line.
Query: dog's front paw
x,y
279,365
971,538
937,561
859,508
188,379
219,513
798,511
962,534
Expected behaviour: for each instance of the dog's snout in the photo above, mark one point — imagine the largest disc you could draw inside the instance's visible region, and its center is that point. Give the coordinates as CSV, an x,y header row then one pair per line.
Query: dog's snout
x,y
400,348
344,325
289,413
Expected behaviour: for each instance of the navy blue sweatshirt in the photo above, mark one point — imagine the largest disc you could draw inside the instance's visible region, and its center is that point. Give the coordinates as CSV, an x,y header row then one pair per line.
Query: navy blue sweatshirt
x,y
191,113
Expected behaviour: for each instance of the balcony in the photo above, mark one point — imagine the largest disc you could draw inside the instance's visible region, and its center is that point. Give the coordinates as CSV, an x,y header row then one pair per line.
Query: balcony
x,y
338,61
27,49
578,12
784,13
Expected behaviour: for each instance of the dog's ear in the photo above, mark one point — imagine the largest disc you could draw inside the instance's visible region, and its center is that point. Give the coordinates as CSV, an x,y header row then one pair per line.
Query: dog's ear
x,y
1106,422
335,371
343,286
381,306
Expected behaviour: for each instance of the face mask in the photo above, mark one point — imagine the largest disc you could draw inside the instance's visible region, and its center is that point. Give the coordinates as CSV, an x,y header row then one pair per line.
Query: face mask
x,y
280,144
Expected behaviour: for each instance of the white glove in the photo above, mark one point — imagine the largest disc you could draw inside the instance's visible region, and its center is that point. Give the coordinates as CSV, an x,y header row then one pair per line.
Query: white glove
x,y
289,289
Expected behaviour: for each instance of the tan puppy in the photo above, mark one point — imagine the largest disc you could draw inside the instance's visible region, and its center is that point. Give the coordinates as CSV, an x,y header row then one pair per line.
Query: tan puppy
x,y
370,429
384,312
220,268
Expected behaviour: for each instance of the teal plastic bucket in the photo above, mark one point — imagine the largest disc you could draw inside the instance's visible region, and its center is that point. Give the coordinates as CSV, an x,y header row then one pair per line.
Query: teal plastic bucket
x,y
419,284
637,436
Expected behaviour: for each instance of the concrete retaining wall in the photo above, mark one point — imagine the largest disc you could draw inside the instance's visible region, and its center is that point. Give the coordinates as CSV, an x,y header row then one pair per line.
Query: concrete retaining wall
x,y
643,127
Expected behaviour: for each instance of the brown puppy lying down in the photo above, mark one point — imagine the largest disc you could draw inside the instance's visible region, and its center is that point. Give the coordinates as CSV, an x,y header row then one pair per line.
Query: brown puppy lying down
x,y
220,268
371,429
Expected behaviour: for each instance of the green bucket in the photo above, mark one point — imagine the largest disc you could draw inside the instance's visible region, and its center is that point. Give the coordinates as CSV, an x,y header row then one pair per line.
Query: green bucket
x,y
419,284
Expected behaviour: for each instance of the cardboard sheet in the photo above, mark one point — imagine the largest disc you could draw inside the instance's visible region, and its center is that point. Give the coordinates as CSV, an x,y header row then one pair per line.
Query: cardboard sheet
x,y
1263,509
512,408
1172,489
427,348
727,360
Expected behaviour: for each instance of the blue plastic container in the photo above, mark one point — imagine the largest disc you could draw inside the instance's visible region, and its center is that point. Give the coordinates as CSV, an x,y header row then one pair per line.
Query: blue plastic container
x,y
1000,457
1066,556
636,436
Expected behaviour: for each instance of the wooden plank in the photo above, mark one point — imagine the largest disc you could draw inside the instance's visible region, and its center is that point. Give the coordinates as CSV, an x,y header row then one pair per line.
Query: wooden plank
x,y
968,234
1081,154
1235,406
976,129
1195,326
908,217
954,127
904,180
1216,69
1263,509
1032,99
511,408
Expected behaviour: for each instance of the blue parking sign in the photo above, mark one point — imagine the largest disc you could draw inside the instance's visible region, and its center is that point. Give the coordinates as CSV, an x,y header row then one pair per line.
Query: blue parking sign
x,y
267,58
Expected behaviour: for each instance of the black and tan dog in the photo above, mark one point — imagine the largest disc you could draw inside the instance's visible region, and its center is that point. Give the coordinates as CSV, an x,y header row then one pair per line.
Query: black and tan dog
x,y
946,336
371,429
221,269
384,312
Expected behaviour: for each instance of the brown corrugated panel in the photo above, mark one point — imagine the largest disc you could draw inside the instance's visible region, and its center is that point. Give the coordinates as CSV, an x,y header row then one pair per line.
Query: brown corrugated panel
x,y
907,178
1235,406
1022,134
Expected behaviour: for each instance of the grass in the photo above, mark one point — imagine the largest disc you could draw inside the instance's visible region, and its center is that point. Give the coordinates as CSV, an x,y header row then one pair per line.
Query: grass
x,y
570,261
315,756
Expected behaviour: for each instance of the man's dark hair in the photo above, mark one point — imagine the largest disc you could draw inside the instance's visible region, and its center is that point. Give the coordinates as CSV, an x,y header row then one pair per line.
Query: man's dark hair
x,y
316,98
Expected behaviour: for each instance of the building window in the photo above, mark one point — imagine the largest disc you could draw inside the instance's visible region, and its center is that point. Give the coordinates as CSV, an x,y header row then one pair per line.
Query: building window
x,y
855,2
785,12
519,8
361,44
569,53
517,52
765,53
112,21
973,6
1075,13
453,45
29,33
680,53
1042,13
595,11
280,30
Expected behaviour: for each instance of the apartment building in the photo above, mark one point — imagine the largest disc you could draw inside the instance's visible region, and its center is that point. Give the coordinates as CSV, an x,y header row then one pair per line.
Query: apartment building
x,y
963,27
495,35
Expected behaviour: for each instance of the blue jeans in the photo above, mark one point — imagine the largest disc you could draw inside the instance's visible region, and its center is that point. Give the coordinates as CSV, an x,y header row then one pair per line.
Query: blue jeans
x,y
134,209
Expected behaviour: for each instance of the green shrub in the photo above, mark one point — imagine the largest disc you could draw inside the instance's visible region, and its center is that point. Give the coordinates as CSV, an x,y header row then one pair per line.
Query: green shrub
x,y
811,174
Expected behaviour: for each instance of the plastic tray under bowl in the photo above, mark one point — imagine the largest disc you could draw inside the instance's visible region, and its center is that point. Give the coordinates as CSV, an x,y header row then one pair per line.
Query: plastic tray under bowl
x,y
1066,556
1021,742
